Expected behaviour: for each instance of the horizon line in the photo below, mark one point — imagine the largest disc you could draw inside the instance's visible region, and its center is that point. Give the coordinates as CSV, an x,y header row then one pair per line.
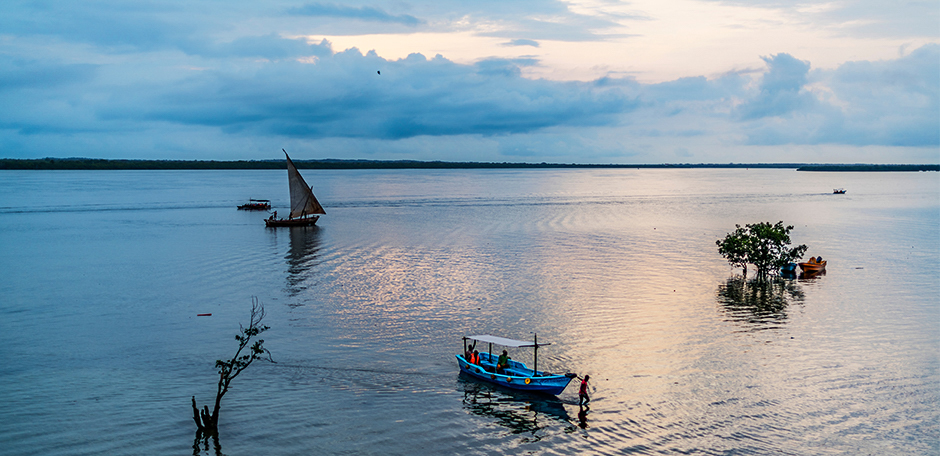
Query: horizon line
x,y
83,163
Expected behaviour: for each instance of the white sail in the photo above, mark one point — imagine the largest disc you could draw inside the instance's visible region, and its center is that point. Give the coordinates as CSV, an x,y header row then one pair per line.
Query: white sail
x,y
302,201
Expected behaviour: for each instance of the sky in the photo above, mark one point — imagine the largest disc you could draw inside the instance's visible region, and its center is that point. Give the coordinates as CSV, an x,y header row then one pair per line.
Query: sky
x,y
602,81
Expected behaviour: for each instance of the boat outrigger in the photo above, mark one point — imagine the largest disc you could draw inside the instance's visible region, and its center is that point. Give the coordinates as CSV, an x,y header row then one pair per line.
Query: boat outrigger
x,y
517,375
303,205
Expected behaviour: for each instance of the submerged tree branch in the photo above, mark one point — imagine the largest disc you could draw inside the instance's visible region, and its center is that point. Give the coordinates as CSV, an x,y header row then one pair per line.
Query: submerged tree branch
x,y
206,422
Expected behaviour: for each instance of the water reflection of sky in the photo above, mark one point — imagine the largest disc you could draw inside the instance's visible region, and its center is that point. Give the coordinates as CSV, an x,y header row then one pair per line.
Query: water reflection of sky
x,y
623,279
617,269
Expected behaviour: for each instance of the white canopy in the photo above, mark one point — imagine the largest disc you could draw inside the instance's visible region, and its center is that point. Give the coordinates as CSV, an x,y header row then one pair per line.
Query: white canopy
x,y
504,341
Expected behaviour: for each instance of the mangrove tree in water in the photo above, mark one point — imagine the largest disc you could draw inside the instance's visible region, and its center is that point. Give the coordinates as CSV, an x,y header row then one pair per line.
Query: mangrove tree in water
x,y
764,245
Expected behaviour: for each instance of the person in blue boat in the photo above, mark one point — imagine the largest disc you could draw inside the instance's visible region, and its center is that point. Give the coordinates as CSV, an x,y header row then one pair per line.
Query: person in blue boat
x,y
468,355
475,357
583,397
502,363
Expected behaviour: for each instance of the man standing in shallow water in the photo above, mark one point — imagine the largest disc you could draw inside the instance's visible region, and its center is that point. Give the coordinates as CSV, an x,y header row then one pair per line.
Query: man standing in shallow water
x,y
583,398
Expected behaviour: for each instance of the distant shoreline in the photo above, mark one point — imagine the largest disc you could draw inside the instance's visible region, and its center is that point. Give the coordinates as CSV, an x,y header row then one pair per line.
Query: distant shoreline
x,y
104,164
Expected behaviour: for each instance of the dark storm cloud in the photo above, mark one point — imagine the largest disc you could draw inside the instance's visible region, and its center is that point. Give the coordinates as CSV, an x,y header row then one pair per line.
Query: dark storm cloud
x,y
342,96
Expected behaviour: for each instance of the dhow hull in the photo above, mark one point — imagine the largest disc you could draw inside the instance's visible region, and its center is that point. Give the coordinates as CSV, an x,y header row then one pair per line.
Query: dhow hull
x,y
308,221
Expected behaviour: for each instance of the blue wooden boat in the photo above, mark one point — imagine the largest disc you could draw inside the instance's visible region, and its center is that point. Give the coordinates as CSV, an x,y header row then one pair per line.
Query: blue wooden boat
x,y
517,375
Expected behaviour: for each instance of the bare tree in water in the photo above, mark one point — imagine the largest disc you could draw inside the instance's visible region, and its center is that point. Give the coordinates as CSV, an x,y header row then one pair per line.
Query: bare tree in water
x,y
207,424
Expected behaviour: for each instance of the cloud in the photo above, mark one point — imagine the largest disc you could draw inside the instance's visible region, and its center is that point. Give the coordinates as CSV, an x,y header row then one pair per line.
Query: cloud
x,y
101,77
887,103
781,89
115,27
860,18
503,67
698,88
364,13
19,73
268,46
342,96
522,42
895,102
533,19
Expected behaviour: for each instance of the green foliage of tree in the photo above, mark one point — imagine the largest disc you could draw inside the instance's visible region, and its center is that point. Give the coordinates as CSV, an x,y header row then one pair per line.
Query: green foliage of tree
x,y
208,423
765,245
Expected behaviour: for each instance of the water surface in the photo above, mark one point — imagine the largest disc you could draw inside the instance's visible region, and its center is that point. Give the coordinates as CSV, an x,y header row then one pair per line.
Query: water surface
x,y
103,274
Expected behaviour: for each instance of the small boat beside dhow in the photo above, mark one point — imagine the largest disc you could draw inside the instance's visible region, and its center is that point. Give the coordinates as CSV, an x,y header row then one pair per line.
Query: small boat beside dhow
x,y
304,207
256,205
515,375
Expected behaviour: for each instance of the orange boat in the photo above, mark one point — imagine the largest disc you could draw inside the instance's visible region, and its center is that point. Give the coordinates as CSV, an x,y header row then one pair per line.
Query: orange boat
x,y
813,265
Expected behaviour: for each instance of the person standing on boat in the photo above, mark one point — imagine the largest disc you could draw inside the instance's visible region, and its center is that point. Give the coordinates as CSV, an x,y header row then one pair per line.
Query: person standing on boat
x,y
583,397
502,362
475,357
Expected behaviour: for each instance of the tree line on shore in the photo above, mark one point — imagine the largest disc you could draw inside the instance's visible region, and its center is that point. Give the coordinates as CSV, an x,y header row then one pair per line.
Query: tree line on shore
x,y
50,163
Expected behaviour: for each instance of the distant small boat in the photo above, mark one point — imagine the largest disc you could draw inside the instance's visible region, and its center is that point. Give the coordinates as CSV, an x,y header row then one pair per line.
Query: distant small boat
x,y
788,268
517,375
813,265
256,205
838,191
303,205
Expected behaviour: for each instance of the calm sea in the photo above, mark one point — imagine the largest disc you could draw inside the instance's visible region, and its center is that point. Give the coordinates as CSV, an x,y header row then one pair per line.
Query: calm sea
x,y
102,275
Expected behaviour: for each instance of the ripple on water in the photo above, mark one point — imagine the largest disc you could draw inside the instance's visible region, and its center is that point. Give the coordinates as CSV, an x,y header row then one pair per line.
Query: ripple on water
x,y
616,268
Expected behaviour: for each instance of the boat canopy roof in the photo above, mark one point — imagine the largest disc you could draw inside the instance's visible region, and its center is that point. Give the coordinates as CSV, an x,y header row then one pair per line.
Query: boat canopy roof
x,y
504,341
